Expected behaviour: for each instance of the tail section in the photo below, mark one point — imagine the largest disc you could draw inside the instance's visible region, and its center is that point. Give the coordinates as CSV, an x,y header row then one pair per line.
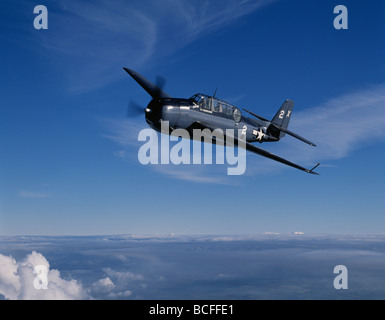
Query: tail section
x,y
281,120
283,115
278,126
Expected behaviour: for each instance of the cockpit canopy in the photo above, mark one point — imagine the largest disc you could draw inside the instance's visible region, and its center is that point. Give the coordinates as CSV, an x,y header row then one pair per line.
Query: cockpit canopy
x,y
212,104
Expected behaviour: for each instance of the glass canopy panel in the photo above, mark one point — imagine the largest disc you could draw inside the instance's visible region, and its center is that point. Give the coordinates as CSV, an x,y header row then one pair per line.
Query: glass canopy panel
x,y
216,105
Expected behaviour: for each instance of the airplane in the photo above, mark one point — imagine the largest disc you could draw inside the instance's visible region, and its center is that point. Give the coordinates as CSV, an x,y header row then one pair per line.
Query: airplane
x,y
202,111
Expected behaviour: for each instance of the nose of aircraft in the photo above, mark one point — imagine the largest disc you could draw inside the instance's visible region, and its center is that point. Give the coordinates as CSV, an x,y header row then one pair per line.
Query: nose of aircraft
x,y
153,113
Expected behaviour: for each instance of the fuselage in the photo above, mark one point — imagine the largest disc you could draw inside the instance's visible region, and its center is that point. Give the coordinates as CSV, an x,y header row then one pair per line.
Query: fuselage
x,y
201,108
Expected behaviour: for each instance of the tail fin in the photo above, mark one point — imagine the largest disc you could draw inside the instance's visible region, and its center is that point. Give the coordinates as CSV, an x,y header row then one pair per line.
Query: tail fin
x,y
281,119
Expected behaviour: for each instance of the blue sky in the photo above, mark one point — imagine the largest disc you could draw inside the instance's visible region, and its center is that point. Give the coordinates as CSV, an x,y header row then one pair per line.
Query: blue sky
x,y
68,161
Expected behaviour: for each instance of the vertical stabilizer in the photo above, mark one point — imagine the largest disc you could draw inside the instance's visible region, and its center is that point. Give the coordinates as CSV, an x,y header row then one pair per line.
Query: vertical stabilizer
x,y
281,119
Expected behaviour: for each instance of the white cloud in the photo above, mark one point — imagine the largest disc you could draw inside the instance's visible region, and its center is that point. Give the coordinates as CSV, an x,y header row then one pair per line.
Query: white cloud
x,y
123,277
17,280
341,125
199,17
9,281
36,195
119,295
96,39
103,286
124,132
116,284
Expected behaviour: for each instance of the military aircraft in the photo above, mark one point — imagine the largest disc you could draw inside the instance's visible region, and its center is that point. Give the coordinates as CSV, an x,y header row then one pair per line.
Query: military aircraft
x,y
202,111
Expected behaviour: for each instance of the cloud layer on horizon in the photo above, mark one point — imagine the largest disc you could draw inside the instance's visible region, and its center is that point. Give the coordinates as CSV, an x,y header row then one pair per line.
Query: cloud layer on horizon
x,y
194,267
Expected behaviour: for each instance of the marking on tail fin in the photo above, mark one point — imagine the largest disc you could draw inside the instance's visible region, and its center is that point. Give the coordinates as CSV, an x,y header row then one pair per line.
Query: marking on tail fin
x,y
288,114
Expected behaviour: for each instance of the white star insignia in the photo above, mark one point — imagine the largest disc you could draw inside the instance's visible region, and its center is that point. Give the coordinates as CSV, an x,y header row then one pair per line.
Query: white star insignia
x,y
259,134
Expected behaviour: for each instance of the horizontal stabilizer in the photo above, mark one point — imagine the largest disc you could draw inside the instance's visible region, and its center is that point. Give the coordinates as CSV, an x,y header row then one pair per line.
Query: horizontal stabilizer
x,y
297,136
257,116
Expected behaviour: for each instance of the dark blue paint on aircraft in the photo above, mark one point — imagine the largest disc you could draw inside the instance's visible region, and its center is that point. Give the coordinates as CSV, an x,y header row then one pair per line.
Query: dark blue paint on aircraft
x,y
202,111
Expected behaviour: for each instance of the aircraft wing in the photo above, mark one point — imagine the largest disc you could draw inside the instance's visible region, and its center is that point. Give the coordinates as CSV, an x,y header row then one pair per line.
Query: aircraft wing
x,y
201,126
252,148
267,154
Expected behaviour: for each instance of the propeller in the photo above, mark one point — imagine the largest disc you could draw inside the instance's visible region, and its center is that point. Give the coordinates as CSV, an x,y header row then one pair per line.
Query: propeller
x,y
155,90
160,82
134,109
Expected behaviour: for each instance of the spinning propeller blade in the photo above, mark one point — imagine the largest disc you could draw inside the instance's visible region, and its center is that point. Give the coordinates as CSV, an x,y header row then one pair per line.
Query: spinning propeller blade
x,y
134,109
154,90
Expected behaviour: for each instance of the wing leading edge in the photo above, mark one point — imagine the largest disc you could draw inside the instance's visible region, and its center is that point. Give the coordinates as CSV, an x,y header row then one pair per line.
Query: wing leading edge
x,y
252,148
267,154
